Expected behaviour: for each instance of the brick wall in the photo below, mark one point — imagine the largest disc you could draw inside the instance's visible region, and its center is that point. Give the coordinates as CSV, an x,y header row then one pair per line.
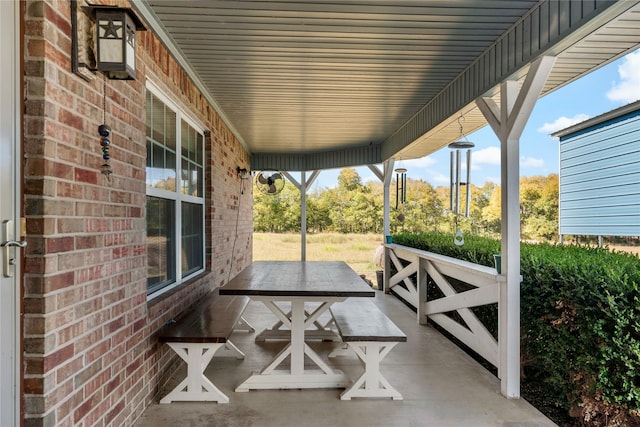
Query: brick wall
x,y
90,357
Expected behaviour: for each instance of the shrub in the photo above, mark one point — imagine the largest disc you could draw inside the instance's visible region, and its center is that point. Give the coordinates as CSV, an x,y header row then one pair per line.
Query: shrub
x,y
580,323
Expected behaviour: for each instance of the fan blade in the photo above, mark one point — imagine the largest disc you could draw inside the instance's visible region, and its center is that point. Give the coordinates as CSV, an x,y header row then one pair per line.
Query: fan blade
x,y
272,189
276,176
261,178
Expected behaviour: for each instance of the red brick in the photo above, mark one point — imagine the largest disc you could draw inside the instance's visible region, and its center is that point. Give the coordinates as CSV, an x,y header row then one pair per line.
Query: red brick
x,y
60,22
87,175
59,244
58,357
86,406
86,242
59,281
59,170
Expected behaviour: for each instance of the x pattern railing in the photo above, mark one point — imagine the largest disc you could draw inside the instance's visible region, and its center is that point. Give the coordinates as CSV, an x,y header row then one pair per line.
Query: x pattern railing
x,y
413,269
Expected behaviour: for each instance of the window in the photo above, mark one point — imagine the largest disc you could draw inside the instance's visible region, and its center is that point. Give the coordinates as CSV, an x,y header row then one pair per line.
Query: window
x,y
175,202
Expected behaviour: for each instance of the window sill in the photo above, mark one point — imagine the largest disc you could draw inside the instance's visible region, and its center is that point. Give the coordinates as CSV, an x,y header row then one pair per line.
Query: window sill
x,y
171,290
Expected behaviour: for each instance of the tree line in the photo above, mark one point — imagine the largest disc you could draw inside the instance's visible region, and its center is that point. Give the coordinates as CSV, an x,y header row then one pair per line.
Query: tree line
x,y
356,207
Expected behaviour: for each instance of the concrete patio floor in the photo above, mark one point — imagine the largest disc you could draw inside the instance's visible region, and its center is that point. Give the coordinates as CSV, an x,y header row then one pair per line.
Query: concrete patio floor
x,y
441,386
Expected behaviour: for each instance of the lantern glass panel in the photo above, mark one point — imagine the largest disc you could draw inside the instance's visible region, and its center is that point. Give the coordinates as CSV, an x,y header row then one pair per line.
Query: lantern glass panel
x,y
110,33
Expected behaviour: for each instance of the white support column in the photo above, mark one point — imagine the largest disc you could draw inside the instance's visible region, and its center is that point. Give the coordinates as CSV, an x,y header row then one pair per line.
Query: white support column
x,y
386,220
302,187
508,122
388,173
303,216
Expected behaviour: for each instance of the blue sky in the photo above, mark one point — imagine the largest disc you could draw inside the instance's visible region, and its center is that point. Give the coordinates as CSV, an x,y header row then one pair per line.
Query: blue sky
x,y
603,90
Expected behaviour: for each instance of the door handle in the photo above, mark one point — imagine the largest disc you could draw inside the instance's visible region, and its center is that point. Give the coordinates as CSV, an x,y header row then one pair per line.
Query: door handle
x,y
8,257
10,243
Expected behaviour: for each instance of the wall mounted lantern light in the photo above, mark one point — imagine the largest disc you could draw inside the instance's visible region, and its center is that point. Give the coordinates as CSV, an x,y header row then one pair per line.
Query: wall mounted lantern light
x,y
110,46
116,41
243,172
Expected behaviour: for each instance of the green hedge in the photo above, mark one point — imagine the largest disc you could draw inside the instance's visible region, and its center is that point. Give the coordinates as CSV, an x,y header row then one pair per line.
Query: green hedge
x,y
580,322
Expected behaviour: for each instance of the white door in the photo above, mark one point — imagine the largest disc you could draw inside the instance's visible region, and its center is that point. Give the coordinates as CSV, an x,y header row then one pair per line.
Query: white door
x,y
9,213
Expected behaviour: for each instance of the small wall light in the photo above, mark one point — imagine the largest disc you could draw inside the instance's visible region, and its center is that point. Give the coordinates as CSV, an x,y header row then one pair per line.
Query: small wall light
x,y
116,41
243,172
104,39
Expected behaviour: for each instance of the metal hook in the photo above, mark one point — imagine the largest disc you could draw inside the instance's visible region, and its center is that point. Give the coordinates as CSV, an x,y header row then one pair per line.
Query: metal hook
x,y
460,120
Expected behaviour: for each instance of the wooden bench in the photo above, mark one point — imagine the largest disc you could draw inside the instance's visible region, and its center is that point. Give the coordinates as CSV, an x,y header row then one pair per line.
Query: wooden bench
x,y
371,335
199,334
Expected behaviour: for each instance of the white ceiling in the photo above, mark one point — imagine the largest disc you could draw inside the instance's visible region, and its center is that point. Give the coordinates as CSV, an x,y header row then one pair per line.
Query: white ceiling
x,y
297,77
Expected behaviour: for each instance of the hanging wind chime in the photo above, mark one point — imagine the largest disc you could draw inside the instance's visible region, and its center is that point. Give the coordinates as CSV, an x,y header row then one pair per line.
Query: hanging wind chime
x,y
104,130
455,183
401,189
401,185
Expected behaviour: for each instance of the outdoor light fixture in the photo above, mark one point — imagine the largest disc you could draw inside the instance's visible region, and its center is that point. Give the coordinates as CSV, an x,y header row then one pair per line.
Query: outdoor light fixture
x,y
116,41
243,172
110,46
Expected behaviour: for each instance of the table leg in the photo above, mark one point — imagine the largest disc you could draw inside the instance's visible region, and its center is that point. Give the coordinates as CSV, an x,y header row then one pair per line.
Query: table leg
x,y
296,376
297,337
322,332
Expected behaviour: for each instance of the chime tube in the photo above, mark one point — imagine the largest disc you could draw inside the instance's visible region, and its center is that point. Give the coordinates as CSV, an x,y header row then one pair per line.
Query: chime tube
x,y
468,183
451,182
397,187
458,164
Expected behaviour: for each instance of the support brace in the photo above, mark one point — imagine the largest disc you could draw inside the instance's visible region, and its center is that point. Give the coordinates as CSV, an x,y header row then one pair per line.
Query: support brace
x,y
243,326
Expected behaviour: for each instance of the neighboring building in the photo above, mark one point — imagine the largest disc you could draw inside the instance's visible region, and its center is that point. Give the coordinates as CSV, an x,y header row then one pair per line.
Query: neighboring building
x,y
600,175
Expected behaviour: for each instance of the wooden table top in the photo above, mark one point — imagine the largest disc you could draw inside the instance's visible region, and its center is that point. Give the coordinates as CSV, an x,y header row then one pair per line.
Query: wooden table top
x,y
298,278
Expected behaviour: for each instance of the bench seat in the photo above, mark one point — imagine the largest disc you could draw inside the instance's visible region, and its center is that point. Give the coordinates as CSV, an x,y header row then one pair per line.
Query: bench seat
x,y
196,336
371,335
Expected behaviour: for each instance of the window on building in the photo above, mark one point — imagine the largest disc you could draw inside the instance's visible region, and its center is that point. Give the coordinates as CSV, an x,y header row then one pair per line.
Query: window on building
x,y
175,196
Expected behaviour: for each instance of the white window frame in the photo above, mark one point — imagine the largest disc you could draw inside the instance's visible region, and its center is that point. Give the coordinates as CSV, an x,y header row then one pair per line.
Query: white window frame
x,y
177,197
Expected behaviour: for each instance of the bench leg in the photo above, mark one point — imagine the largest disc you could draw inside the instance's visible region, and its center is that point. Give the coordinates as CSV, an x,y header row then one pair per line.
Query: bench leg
x,y
243,326
230,350
343,350
196,386
371,383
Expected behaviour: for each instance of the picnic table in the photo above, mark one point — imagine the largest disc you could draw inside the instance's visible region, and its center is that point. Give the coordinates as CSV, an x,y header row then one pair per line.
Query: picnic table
x,y
297,283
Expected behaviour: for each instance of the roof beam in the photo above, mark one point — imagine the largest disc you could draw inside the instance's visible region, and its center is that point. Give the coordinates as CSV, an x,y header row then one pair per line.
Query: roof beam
x,y
366,155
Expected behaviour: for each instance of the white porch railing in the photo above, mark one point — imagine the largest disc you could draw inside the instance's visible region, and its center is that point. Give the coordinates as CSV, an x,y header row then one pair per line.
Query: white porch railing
x,y
419,266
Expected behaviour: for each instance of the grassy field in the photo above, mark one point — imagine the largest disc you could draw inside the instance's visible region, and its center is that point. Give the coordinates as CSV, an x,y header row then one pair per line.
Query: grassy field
x,y
357,250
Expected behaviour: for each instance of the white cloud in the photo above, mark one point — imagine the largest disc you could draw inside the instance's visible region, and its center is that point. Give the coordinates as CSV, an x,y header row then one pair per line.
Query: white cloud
x,y
628,89
486,156
439,178
531,162
423,162
562,123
